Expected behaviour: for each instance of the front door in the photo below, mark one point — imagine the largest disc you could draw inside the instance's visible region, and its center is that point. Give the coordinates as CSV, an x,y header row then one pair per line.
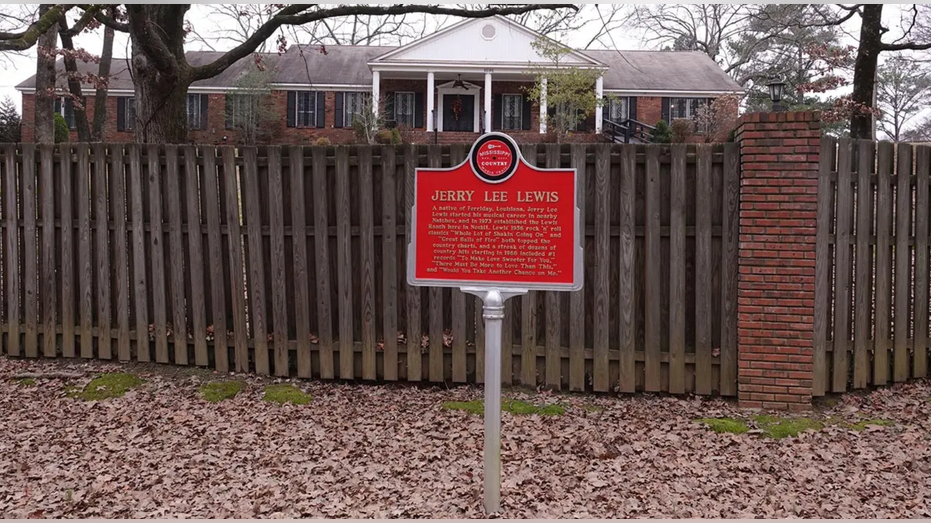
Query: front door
x,y
459,112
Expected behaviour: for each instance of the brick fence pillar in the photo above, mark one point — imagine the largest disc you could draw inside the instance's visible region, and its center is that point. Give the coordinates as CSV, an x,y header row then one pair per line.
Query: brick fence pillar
x,y
779,155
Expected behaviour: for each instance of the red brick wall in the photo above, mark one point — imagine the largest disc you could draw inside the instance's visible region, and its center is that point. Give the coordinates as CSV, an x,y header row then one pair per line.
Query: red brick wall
x,y
649,109
779,155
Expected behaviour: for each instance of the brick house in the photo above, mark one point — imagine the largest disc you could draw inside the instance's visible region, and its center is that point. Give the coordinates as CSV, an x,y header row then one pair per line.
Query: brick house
x,y
447,87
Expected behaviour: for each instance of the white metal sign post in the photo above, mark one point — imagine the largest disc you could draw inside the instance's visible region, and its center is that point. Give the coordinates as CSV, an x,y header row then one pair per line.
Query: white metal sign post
x,y
496,227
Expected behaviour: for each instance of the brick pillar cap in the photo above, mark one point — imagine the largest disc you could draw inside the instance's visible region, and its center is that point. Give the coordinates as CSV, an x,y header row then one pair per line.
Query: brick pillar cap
x,y
775,117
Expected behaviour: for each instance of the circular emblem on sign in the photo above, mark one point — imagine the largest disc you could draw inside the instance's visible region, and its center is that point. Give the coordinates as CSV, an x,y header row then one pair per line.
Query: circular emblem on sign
x,y
494,158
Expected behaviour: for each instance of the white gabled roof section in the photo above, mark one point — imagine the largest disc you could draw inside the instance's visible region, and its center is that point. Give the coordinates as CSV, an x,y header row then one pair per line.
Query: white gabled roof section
x,y
470,42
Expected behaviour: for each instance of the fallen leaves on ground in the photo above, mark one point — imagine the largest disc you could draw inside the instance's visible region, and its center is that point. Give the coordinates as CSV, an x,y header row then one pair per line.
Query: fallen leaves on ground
x,y
393,451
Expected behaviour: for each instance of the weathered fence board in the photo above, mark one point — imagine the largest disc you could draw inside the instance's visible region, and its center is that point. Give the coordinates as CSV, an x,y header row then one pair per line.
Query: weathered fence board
x,y
886,185
11,254
216,256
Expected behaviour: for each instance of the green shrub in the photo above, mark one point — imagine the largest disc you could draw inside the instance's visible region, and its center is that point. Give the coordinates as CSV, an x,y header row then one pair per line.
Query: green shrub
x,y
323,141
62,134
383,137
662,134
396,136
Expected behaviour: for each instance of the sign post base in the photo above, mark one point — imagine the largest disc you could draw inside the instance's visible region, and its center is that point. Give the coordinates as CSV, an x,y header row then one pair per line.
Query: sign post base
x,y
493,313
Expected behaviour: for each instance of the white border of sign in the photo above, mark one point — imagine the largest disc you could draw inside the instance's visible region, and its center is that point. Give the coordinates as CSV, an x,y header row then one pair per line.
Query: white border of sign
x,y
578,259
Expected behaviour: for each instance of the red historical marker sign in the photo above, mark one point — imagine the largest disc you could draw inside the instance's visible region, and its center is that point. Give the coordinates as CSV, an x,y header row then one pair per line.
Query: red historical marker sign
x,y
495,221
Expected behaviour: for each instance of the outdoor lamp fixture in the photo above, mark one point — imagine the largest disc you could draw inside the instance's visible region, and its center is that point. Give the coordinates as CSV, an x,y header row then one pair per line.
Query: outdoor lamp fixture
x,y
776,88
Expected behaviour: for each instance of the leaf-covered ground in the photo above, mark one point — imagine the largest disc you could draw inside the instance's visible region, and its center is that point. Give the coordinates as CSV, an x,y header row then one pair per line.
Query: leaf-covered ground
x,y
161,450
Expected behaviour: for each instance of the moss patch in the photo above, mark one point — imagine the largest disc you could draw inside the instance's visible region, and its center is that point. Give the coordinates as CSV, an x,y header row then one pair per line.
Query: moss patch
x,y
516,407
729,425
285,393
861,425
524,408
217,391
592,408
71,390
27,382
108,386
778,428
472,407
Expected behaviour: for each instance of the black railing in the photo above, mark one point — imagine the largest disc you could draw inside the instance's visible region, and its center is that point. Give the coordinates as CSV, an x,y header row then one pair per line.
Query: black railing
x,y
623,132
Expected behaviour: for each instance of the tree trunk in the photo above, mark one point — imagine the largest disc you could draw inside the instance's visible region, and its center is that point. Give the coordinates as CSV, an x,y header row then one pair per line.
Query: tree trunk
x,y
864,72
45,83
161,92
74,84
100,98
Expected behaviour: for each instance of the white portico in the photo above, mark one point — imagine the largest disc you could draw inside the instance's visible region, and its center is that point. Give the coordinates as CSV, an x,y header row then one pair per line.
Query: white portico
x,y
471,77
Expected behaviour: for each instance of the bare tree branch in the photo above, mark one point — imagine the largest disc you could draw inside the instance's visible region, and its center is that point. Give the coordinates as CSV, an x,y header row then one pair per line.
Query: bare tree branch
x,y
19,41
297,14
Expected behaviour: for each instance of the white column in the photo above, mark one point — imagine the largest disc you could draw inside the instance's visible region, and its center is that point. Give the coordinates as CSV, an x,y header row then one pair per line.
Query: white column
x,y
599,94
430,107
487,101
543,107
376,91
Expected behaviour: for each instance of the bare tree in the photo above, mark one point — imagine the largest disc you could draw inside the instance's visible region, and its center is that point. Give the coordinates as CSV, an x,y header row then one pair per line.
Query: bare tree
x,y
733,35
904,88
75,79
44,123
913,34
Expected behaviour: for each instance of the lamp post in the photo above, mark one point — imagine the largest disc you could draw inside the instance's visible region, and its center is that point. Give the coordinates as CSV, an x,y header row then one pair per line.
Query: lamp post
x,y
776,88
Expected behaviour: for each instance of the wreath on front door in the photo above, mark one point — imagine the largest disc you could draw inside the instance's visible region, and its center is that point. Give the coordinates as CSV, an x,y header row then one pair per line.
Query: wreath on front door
x,y
457,108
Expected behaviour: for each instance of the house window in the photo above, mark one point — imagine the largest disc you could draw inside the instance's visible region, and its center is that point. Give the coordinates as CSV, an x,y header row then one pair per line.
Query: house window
x,y
512,105
569,115
306,108
404,109
353,105
241,110
194,113
684,108
65,107
129,114
618,110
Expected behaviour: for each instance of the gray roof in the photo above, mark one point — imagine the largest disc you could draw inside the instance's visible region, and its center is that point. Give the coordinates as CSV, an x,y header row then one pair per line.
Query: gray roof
x,y
344,64
348,65
663,71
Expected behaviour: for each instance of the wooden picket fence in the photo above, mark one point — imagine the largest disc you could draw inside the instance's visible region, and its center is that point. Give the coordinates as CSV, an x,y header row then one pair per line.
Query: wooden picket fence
x,y
872,265
291,261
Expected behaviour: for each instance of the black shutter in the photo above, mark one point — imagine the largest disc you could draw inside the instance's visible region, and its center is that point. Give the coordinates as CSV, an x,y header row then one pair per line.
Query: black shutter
x,y
204,100
292,108
320,110
526,113
497,115
389,108
418,110
632,107
664,114
121,113
338,111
